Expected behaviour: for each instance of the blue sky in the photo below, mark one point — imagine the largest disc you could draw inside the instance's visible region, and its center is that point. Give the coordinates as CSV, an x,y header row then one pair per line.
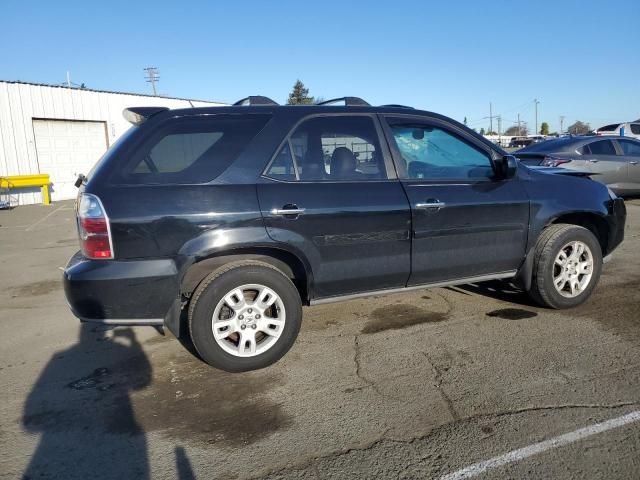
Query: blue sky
x,y
581,59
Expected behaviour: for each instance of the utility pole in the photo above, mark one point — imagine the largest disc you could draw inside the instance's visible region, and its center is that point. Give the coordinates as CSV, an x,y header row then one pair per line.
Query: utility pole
x,y
153,76
519,131
536,102
68,79
490,118
561,124
499,117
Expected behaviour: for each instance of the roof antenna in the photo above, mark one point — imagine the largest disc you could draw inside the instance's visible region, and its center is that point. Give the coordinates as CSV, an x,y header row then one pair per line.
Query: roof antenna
x,y
191,103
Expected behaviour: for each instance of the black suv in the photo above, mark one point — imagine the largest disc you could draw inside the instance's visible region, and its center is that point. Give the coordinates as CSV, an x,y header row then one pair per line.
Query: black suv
x,y
225,221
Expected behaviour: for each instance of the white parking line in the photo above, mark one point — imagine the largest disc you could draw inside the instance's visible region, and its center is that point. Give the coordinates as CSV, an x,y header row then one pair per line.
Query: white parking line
x,y
30,227
536,448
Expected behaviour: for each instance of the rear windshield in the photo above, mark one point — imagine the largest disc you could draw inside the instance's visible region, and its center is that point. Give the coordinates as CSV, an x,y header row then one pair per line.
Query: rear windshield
x,y
191,150
609,128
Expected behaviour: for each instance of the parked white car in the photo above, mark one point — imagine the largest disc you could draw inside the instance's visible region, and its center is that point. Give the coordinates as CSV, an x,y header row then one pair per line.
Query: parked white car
x,y
631,129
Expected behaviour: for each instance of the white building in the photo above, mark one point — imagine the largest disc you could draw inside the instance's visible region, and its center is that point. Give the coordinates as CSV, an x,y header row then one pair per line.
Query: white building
x,y
63,131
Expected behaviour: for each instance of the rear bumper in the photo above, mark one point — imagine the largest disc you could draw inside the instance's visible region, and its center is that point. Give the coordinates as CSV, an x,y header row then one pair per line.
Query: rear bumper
x,y
616,218
116,292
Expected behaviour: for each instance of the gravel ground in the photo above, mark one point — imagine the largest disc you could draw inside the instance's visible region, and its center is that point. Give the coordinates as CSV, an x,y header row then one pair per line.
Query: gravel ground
x,y
413,385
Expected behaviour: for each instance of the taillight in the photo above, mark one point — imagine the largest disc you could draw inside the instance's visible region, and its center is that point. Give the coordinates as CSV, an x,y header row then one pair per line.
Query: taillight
x,y
93,227
554,162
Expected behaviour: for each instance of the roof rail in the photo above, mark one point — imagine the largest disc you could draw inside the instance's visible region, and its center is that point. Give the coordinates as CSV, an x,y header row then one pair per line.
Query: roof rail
x,y
255,100
348,102
138,115
396,105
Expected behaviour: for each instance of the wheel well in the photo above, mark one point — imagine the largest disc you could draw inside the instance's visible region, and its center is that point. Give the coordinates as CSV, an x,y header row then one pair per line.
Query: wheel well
x,y
284,261
595,224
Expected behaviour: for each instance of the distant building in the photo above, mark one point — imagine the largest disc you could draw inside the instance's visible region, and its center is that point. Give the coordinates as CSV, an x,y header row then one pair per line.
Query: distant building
x,y
63,131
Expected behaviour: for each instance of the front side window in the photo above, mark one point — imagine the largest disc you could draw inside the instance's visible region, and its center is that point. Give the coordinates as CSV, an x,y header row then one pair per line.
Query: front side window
x,y
602,147
629,147
192,150
433,153
635,128
331,148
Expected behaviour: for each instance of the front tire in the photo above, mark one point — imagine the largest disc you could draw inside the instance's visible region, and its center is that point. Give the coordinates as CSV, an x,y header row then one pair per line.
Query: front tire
x,y
244,316
567,266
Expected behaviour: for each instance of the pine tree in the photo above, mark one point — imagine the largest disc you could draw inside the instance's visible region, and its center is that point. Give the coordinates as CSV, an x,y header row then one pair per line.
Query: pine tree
x,y
544,128
299,95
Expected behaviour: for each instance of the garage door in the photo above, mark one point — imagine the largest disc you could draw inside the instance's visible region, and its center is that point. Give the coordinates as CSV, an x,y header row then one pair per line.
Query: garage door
x,y
67,148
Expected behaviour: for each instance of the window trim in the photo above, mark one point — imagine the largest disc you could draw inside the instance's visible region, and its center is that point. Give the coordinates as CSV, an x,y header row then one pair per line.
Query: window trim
x,y
384,149
447,127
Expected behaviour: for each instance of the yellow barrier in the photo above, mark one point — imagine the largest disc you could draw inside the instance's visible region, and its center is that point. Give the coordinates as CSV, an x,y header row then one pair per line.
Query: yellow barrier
x,y
19,181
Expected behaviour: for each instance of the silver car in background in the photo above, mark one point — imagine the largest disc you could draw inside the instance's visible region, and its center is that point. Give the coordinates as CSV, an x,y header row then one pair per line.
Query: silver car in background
x,y
614,161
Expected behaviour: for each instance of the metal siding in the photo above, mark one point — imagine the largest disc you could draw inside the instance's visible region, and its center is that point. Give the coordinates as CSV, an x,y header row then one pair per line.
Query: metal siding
x,y
9,146
20,103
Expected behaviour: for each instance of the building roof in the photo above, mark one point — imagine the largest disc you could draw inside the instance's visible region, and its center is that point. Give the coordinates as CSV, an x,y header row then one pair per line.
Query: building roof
x,y
20,82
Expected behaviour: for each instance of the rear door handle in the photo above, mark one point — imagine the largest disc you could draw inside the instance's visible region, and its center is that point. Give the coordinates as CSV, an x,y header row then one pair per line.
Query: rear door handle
x,y
287,210
633,163
593,160
431,203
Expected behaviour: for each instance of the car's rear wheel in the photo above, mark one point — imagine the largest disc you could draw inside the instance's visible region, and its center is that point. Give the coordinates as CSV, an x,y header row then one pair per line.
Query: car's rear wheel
x,y
244,316
567,266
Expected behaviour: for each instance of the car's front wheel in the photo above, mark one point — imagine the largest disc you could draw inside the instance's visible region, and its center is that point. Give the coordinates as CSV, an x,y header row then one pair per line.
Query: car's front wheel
x,y
244,316
567,266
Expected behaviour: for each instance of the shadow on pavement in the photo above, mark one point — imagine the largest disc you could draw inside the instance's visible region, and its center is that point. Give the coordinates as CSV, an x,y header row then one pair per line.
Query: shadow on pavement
x,y
183,465
81,408
500,290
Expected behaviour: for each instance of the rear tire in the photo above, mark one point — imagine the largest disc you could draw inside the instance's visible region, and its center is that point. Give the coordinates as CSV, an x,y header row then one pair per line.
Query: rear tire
x,y
244,316
567,266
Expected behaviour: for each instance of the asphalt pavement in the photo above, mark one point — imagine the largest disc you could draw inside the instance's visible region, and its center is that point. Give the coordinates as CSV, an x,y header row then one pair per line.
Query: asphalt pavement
x,y
464,382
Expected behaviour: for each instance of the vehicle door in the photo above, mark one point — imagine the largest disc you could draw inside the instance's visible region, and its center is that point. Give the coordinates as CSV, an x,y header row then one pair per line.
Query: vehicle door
x,y
467,221
603,160
630,151
331,192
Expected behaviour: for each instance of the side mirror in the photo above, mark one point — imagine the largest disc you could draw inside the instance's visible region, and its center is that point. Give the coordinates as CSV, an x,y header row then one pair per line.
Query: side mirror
x,y
509,166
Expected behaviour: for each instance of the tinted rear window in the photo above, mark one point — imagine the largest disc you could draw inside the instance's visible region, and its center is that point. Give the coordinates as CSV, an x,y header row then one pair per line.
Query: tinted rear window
x,y
635,128
192,150
609,128
602,147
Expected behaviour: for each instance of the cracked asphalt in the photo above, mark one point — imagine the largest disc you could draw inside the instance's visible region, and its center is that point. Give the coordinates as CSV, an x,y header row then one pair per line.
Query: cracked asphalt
x,y
413,385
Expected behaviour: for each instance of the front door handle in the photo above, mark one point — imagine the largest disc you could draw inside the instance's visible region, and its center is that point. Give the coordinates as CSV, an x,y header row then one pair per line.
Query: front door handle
x,y
633,163
431,204
592,160
289,209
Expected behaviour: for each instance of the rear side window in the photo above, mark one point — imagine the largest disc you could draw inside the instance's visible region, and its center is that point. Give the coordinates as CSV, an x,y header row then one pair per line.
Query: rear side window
x,y
192,150
333,149
602,147
630,147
